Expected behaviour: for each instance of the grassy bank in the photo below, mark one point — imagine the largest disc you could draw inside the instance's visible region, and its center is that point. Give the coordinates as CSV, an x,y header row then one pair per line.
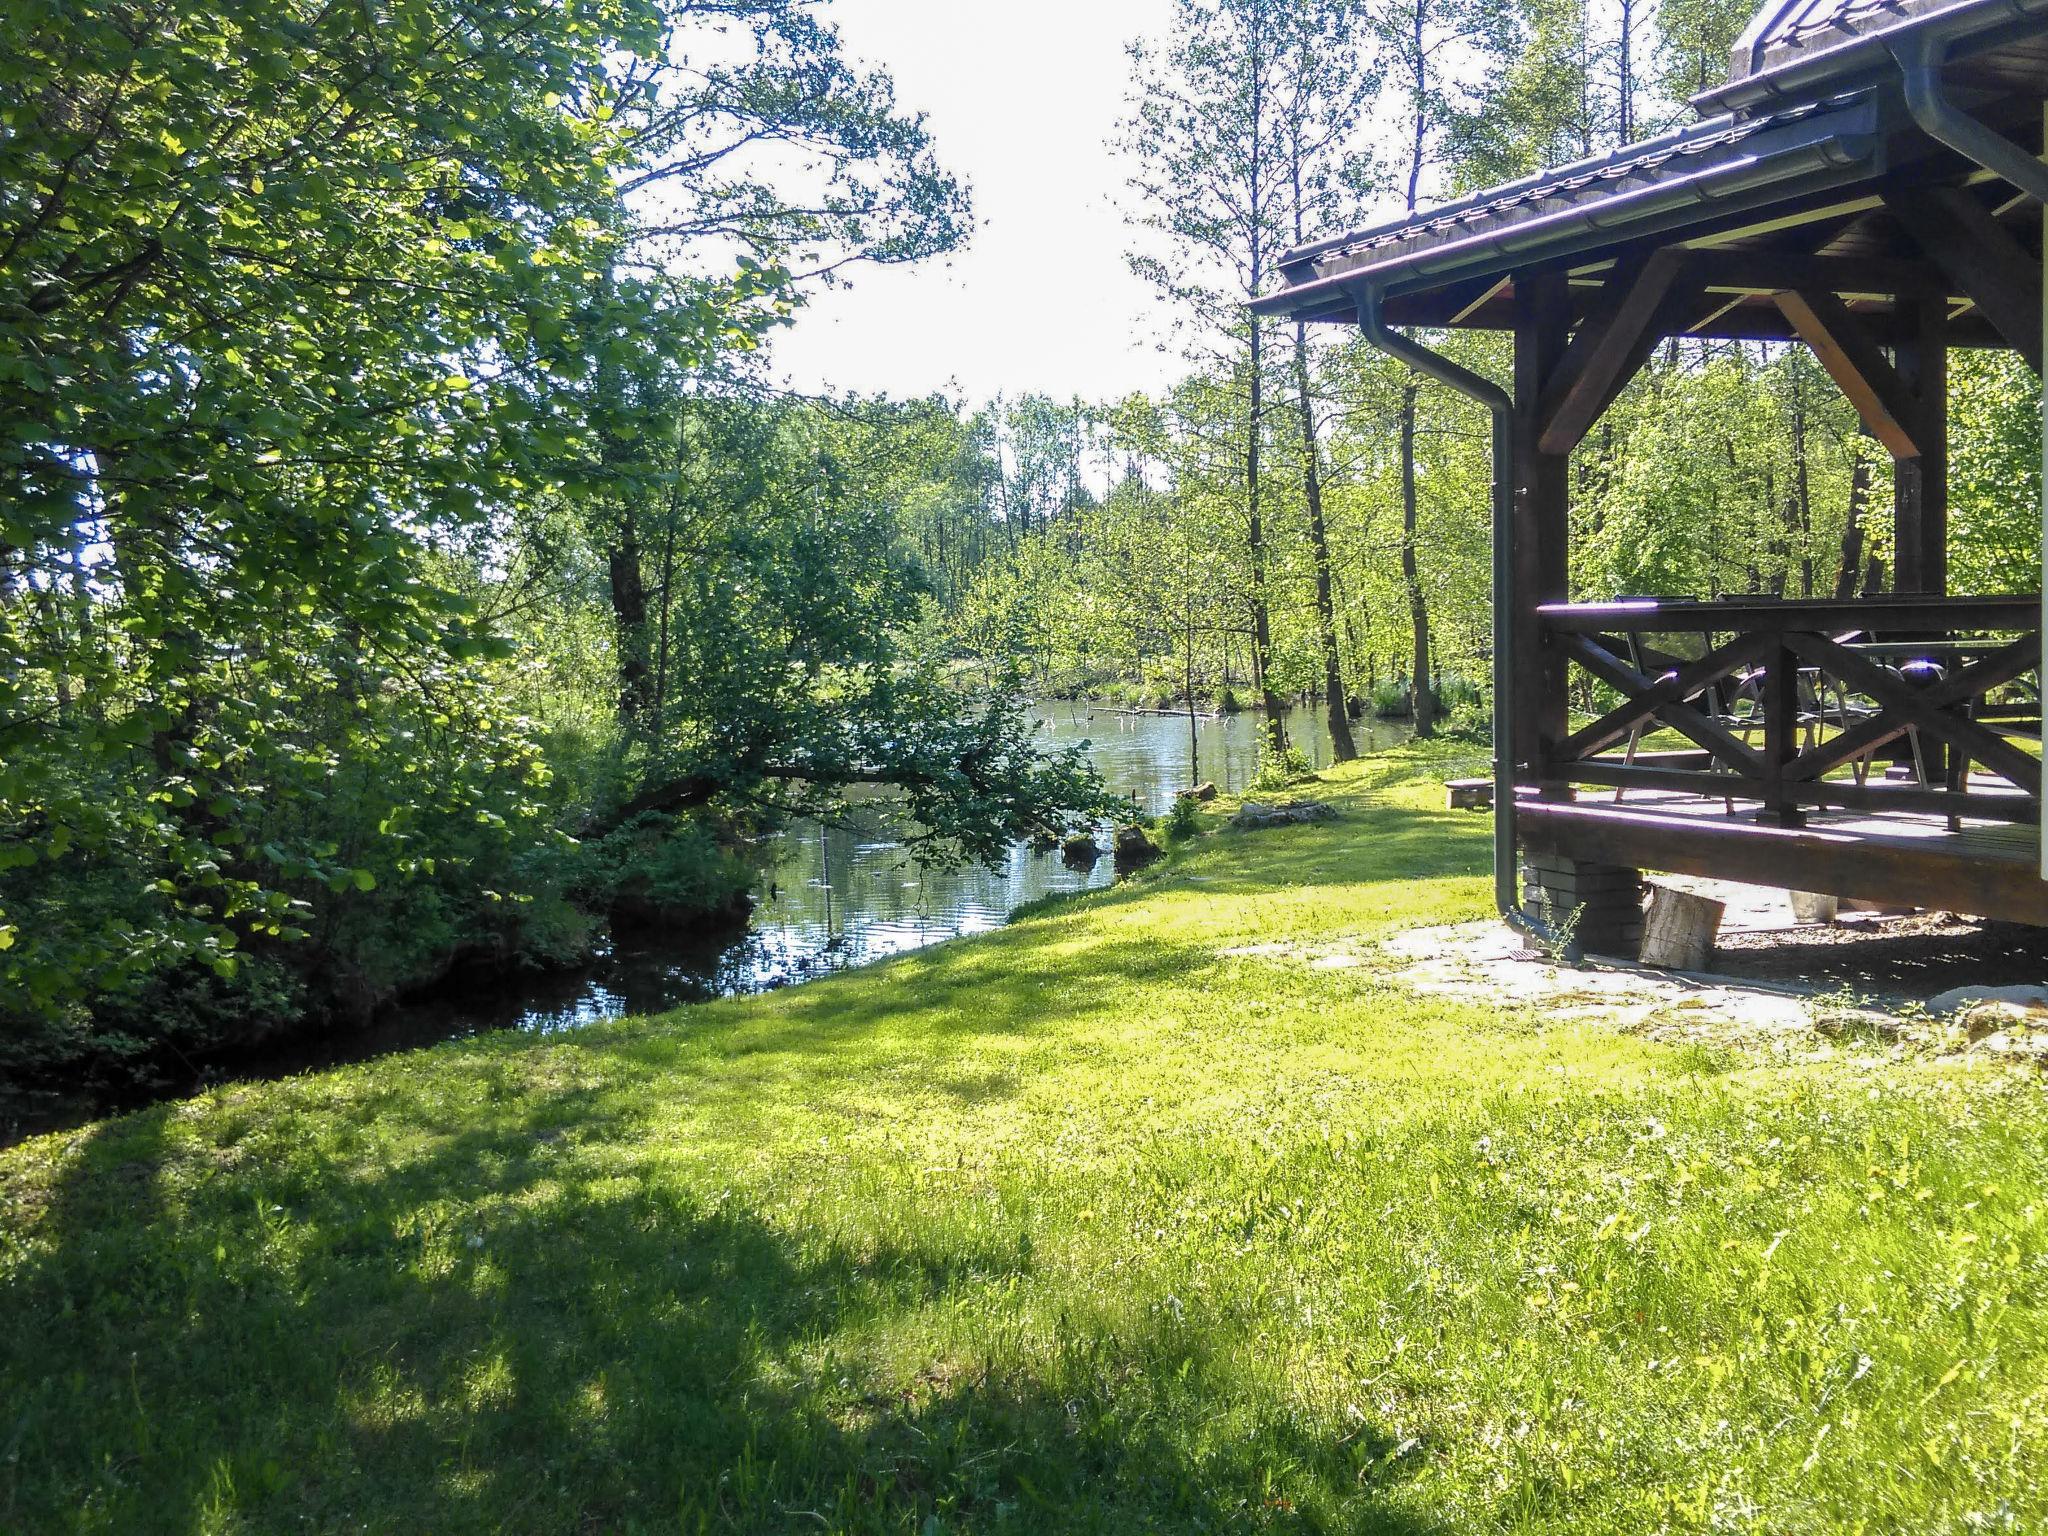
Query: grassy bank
x,y
1087,1225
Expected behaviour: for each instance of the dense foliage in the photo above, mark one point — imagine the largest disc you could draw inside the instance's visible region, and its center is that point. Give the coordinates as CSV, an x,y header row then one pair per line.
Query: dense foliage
x,y
380,540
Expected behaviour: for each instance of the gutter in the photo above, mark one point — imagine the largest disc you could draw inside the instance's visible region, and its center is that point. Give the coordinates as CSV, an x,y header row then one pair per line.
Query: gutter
x,y
1841,67
1920,56
1506,891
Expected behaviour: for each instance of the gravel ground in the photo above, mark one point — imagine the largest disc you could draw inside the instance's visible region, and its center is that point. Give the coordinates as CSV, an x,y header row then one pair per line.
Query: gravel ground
x,y
1914,956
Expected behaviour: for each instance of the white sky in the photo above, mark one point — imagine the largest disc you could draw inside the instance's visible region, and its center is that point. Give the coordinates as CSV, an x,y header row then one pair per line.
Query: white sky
x,y
1021,100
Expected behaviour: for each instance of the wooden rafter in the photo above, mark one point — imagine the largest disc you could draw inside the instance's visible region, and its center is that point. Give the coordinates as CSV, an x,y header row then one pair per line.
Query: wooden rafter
x,y
1609,347
1981,257
1856,365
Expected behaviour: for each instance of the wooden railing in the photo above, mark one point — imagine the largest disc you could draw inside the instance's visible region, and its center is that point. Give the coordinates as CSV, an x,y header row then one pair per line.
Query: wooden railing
x,y
1780,699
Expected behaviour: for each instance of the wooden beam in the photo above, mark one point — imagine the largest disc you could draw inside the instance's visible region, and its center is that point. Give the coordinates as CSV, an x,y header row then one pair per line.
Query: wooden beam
x,y
1981,257
1607,350
1856,365
1775,271
1832,616
1930,871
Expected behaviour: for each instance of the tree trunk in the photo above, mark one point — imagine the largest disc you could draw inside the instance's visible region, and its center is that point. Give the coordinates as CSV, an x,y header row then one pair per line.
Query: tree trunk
x,y
1851,565
1802,494
1424,705
1255,538
629,621
667,593
1342,748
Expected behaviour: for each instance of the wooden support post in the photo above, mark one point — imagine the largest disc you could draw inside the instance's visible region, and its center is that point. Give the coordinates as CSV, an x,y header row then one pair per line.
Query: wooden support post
x,y
1781,737
1542,526
1922,482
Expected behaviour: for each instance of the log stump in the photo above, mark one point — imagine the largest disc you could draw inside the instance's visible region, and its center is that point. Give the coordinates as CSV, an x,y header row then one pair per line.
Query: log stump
x,y
1679,930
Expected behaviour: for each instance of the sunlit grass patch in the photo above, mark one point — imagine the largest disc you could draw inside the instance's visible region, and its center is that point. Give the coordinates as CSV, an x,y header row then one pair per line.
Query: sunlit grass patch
x,y
1091,1224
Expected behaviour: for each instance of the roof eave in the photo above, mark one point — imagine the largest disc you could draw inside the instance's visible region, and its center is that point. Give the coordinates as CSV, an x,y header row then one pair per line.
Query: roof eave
x,y
1864,56
1829,143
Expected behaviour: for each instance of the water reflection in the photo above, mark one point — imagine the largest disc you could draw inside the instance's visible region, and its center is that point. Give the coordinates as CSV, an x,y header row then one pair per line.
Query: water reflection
x,y
842,895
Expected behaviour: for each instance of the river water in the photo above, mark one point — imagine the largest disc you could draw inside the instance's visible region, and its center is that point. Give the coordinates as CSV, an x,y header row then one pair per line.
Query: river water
x,y
837,896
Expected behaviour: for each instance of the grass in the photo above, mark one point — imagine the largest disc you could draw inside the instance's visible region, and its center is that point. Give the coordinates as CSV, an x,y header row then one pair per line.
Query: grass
x,y
1087,1225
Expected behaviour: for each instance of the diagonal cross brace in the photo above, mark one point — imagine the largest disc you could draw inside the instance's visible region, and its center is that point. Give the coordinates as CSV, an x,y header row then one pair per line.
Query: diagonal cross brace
x,y
1844,348
1675,689
1981,676
1715,737
1924,708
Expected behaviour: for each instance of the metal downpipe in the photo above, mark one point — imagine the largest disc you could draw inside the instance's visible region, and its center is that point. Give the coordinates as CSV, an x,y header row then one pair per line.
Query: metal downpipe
x,y
1920,59
1506,893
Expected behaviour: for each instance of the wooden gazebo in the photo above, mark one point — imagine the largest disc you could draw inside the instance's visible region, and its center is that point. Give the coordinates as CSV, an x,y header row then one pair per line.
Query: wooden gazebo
x,y
1869,182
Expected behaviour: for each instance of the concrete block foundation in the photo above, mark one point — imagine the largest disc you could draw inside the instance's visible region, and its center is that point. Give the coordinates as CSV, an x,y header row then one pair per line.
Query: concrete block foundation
x,y
1599,906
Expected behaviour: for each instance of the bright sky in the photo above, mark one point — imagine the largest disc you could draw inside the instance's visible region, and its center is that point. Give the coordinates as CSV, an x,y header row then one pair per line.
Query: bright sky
x,y
1021,100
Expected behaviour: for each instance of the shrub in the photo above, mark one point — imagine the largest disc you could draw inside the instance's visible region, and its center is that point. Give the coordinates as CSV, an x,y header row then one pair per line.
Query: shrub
x,y
1470,721
668,869
1184,820
1277,770
1454,692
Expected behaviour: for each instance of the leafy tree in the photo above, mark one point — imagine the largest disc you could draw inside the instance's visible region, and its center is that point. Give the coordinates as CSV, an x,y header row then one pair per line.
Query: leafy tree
x,y
1322,109
1994,470
362,377
1206,136
284,290
1416,37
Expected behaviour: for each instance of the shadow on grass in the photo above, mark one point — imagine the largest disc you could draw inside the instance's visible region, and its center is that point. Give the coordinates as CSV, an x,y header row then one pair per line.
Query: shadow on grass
x,y
526,1327
463,1290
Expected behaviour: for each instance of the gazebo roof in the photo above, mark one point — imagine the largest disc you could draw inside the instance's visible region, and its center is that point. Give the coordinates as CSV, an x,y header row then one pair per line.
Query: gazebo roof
x,y
1811,111
1835,36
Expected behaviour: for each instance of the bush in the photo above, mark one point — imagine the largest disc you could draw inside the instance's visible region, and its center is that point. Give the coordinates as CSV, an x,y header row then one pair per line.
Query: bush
x,y
149,1034
1184,820
665,869
1391,701
1470,721
1277,770
1455,692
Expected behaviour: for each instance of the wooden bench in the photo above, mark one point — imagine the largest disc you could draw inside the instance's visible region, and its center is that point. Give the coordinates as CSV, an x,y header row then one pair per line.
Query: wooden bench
x,y
1468,794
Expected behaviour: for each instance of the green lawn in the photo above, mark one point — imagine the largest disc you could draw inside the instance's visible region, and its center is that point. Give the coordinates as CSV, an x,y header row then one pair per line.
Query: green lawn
x,y
1085,1225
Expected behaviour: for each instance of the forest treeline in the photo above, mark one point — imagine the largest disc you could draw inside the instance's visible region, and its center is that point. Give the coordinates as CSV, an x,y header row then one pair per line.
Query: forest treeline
x,y
406,560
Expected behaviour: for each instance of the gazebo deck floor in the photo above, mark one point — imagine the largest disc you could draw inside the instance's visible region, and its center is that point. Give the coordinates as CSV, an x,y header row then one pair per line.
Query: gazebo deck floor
x,y
1984,868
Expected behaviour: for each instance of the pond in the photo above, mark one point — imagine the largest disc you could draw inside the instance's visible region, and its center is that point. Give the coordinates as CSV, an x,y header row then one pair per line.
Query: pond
x,y
837,896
